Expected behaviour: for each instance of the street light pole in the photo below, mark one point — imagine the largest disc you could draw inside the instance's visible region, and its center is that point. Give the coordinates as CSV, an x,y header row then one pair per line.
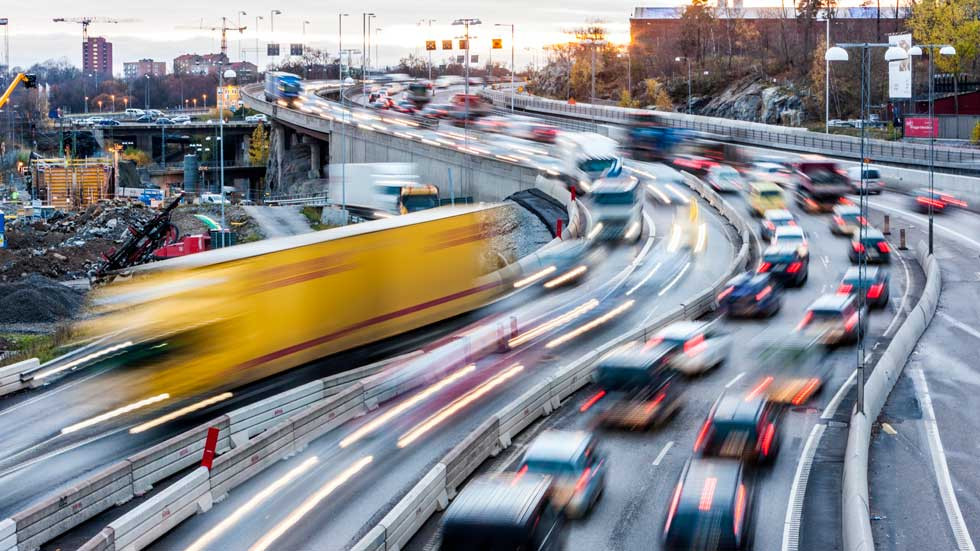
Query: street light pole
x,y
257,50
364,46
340,53
272,23
944,49
430,22
146,93
688,59
511,25
240,14
838,53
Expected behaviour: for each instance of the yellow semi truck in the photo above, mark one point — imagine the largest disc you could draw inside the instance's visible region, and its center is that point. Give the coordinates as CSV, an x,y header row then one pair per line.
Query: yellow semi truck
x,y
222,318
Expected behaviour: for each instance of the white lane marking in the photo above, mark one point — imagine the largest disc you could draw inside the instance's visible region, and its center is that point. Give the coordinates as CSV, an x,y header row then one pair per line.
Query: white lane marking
x,y
945,482
834,403
675,280
663,453
797,492
646,278
960,325
826,262
905,296
677,193
734,380
902,213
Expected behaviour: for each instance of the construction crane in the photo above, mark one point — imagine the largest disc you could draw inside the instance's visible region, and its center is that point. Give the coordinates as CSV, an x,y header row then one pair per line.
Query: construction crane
x,y
29,80
86,21
224,28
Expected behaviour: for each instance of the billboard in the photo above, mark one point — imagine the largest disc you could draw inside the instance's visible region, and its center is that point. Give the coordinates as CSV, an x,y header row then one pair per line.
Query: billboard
x,y
900,72
272,50
295,49
921,127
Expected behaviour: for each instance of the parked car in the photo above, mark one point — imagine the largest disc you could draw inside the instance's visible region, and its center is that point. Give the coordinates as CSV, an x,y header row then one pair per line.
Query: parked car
x,y
260,117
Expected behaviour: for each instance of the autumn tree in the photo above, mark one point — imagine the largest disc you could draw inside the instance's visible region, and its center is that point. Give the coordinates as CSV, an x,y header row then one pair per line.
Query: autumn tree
x,y
818,76
698,21
258,146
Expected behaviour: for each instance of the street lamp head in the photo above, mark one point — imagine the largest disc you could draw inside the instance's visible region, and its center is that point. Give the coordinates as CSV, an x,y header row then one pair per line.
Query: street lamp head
x,y
276,12
915,51
947,50
230,73
678,59
836,53
894,53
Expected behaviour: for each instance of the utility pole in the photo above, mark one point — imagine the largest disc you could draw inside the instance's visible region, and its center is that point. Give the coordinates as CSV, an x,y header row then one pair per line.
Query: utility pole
x,y
430,22
364,45
340,53
258,52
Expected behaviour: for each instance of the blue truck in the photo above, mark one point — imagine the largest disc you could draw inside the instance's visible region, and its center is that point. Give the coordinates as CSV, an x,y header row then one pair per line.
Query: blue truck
x,y
650,141
281,86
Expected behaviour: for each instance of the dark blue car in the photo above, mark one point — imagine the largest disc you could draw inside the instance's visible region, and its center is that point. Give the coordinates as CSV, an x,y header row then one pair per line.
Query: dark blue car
x,y
751,294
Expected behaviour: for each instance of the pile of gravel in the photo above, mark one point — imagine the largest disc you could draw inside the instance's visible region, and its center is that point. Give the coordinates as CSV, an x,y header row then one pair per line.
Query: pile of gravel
x,y
37,299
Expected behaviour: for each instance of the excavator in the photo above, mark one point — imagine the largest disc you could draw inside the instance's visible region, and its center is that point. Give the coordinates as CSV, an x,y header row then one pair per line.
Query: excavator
x,y
29,80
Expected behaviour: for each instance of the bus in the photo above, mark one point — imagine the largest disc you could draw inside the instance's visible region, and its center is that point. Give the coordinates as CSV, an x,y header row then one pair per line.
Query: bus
x,y
281,86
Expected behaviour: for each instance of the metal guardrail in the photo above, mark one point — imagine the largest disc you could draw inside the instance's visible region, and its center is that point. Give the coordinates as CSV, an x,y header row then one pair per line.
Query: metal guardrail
x,y
798,139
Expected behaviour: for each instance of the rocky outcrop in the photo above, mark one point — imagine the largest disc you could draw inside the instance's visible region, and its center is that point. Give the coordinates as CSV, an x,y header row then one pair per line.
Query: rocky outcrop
x,y
755,101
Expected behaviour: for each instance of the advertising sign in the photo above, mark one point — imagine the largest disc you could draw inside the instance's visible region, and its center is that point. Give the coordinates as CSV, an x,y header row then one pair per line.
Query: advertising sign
x,y
900,72
921,127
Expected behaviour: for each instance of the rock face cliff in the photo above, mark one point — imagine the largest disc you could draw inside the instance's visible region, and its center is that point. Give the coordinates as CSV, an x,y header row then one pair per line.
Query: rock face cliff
x,y
754,101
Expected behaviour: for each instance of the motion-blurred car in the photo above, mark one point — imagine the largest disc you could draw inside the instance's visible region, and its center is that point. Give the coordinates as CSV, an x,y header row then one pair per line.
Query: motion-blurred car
x,y
109,122
617,209
694,163
164,121
532,129
145,118
503,512
701,346
872,245
740,427
724,179
773,219
258,117
494,124
835,319
765,196
872,289
846,220
180,119
872,180
638,390
938,200
793,367
436,110
773,173
792,235
711,507
573,461
786,263
403,106
571,260
751,294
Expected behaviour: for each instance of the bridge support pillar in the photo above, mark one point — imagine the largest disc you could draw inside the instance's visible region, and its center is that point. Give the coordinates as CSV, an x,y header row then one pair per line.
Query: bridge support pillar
x,y
316,156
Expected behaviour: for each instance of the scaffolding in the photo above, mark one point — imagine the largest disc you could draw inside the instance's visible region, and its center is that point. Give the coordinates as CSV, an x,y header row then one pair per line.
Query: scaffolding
x,y
72,183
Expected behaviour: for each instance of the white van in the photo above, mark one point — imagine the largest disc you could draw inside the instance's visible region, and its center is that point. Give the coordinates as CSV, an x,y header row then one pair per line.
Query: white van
x,y
134,113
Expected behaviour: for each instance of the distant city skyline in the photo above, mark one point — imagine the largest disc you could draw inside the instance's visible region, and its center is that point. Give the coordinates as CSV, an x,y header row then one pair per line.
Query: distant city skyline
x,y
34,37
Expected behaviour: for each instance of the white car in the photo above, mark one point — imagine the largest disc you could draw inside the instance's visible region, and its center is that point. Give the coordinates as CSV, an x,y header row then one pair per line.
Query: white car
x,y
872,179
180,119
774,173
791,235
701,346
724,179
261,117
212,199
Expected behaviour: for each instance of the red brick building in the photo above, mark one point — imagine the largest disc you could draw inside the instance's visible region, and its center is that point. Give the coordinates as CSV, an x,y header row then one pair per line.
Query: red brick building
x,y
97,57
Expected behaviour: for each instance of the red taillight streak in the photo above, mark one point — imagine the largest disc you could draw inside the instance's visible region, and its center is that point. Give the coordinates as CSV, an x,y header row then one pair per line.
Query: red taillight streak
x,y
767,438
656,402
794,267
764,267
845,201
791,223
763,293
591,401
673,505
770,225
739,508
759,388
653,342
520,474
699,442
838,220
851,322
725,293
845,288
583,479
707,493
883,247
875,290
858,247
862,220
804,394
926,201
693,342
805,321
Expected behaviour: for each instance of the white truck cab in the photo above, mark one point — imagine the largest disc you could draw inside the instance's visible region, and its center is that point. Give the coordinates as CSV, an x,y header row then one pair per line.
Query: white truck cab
x,y
616,205
586,157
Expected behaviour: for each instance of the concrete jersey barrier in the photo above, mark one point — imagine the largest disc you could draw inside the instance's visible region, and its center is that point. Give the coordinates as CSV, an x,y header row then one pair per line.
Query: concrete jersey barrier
x,y
855,508
12,376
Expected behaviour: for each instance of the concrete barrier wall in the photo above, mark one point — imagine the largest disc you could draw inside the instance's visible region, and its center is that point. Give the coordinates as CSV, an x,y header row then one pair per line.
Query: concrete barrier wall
x,y
246,422
8,535
174,455
157,515
855,508
11,376
244,462
64,510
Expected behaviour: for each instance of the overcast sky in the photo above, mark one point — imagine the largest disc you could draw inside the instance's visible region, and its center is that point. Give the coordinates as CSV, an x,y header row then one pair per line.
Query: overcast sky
x,y
35,37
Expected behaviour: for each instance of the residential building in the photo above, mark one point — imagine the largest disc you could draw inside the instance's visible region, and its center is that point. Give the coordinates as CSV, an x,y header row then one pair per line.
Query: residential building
x,y
97,57
194,64
136,69
244,70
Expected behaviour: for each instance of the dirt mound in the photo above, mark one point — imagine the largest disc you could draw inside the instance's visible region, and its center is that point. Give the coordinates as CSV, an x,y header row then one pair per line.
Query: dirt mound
x,y
37,299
